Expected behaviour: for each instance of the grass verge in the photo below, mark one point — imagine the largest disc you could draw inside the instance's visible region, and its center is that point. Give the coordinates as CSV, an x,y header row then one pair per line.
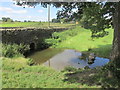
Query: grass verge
x,y
18,74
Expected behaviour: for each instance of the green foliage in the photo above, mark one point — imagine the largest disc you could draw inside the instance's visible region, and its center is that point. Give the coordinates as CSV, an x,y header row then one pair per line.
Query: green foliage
x,y
13,50
84,22
69,69
94,20
96,16
62,36
4,19
55,20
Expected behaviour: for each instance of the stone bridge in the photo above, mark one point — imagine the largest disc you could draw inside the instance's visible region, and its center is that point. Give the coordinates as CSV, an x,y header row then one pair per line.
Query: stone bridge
x,y
32,36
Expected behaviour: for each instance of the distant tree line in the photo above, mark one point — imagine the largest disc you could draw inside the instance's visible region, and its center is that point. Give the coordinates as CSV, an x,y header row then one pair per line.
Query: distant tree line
x,y
54,20
64,20
4,19
7,19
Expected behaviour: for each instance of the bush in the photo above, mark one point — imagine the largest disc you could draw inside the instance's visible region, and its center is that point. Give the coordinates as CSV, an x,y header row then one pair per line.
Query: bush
x,y
58,37
13,50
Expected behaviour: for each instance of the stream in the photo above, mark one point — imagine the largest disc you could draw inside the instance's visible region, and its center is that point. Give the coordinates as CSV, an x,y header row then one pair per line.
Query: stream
x,y
59,59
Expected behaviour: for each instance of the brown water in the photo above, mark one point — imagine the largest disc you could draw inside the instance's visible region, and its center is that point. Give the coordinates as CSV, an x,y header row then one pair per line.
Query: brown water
x,y
59,59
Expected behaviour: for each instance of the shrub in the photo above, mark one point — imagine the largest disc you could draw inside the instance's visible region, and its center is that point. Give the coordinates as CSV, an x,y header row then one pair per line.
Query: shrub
x,y
13,50
58,37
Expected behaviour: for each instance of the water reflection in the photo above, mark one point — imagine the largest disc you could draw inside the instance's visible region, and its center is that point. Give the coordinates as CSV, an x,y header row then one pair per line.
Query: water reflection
x,y
68,58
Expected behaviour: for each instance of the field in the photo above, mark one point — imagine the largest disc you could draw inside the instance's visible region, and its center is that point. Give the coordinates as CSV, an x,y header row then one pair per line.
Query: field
x,y
35,24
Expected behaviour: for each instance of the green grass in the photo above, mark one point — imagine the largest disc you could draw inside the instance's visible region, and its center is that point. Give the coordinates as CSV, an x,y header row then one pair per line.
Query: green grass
x,y
82,41
17,74
16,24
35,24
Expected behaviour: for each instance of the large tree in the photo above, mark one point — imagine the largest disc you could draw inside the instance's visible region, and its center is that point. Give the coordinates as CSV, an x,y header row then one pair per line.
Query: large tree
x,y
98,15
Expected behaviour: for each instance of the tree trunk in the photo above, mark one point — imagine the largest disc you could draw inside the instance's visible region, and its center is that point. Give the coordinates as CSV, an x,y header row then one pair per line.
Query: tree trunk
x,y
115,55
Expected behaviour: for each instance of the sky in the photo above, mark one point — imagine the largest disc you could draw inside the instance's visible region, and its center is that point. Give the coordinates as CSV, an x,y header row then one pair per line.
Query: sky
x,y
15,12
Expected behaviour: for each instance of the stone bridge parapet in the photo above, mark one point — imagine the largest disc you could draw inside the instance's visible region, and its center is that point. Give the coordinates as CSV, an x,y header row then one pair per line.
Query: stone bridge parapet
x,y
31,36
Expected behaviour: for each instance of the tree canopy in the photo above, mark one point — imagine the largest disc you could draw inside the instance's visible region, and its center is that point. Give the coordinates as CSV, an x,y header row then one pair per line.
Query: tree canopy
x,y
96,15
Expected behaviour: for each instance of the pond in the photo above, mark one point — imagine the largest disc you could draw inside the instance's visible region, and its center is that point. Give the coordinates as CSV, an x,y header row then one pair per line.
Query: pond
x,y
59,59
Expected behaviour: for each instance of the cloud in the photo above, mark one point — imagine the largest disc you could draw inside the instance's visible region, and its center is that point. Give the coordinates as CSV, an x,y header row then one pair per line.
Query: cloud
x,y
10,10
6,0
4,16
33,18
40,11
29,16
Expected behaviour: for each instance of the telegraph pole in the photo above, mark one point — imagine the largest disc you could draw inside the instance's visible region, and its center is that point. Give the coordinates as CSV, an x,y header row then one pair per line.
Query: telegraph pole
x,y
48,15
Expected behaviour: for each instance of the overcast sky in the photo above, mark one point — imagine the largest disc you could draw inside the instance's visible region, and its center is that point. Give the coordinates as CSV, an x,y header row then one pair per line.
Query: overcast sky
x,y
8,9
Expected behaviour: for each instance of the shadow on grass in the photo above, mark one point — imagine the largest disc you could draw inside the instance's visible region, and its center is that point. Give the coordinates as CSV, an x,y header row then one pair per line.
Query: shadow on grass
x,y
92,77
102,51
97,76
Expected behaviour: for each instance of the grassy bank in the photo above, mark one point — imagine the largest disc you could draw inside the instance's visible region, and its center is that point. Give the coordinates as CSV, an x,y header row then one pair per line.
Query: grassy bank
x,y
18,74
80,39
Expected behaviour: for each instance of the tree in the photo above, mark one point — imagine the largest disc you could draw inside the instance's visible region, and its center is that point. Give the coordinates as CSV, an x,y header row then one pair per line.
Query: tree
x,y
25,20
55,20
4,19
99,16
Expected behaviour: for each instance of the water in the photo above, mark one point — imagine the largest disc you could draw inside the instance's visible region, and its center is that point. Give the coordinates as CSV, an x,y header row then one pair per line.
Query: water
x,y
59,59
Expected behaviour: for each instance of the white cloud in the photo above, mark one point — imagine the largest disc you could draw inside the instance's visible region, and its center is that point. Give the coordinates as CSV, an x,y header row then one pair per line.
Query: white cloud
x,y
29,16
10,10
35,18
6,0
40,11
4,16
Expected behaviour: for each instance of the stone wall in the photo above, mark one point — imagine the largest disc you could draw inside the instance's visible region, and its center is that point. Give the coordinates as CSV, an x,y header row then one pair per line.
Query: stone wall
x,y
31,36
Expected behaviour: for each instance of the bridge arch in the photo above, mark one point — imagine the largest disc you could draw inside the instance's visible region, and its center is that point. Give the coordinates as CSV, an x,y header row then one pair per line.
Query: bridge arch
x,y
32,46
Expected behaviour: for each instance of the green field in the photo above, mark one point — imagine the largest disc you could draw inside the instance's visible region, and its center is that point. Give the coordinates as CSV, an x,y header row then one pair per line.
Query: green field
x,y
35,24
